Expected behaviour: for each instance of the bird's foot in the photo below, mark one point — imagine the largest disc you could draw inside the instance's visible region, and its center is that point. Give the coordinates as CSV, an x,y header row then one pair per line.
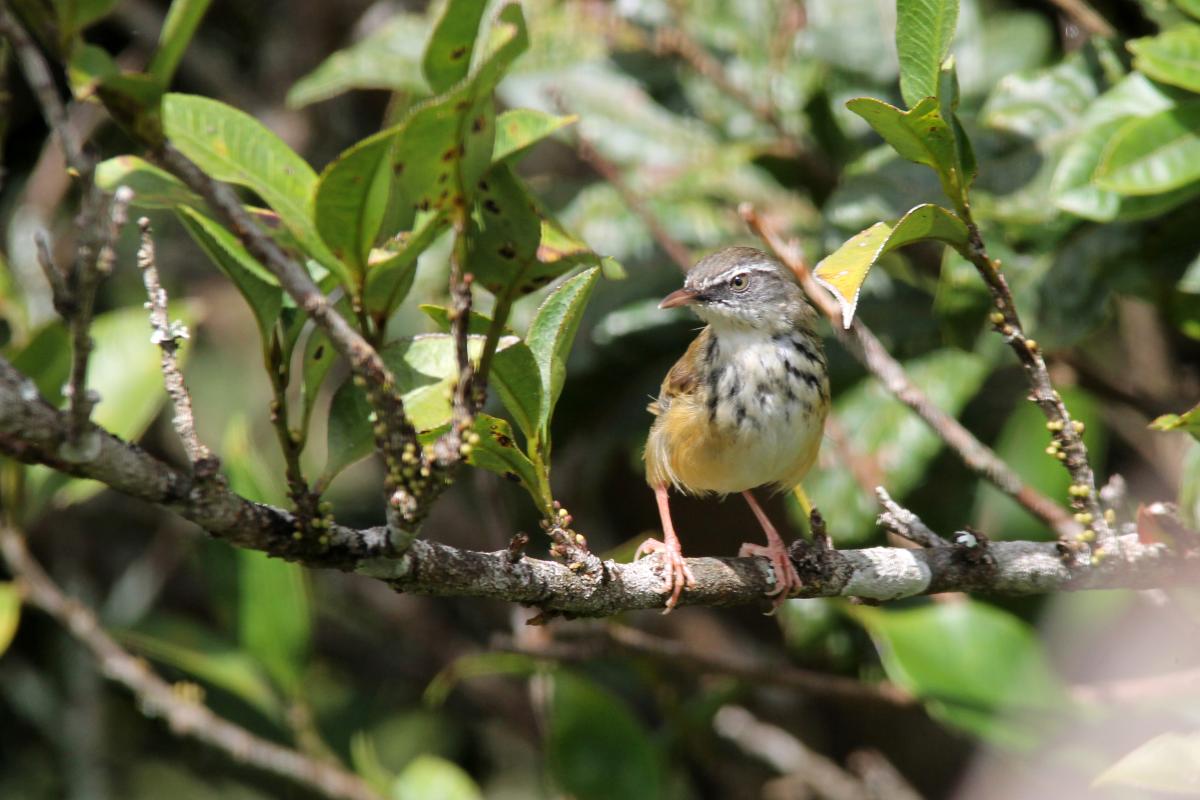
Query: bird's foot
x,y
787,580
676,574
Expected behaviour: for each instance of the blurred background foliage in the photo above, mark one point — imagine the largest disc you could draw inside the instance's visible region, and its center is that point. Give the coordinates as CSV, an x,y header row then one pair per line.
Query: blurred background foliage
x,y
1088,145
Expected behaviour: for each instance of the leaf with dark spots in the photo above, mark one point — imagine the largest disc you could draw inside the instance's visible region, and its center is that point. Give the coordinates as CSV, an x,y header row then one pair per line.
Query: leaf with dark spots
x,y
446,61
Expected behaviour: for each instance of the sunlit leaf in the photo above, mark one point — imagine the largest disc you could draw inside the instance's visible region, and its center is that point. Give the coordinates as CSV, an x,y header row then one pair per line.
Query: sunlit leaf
x,y
519,129
351,198
183,18
430,777
975,666
1168,763
924,30
1153,154
1172,56
10,613
844,271
497,452
1187,421
152,187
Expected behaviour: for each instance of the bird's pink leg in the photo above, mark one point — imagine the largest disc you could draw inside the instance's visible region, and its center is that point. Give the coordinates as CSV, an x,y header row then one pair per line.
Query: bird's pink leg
x,y
677,575
787,580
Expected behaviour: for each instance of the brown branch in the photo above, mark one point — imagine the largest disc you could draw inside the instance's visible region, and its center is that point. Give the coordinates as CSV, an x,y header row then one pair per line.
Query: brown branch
x,y
167,335
1066,434
1087,18
871,353
185,716
32,431
612,174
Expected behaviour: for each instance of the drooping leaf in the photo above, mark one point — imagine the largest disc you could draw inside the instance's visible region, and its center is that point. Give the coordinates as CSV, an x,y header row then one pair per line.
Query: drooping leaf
x,y
1153,154
10,613
259,288
519,129
975,666
233,146
351,199
183,18
924,30
590,730
888,436
843,271
1172,56
448,54
551,334
1168,763
387,59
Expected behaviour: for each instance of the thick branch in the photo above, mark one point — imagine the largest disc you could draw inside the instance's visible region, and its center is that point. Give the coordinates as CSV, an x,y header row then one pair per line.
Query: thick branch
x,y
871,353
185,716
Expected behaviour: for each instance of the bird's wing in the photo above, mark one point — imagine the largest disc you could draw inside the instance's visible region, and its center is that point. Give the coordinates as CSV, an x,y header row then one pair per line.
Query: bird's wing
x,y
684,377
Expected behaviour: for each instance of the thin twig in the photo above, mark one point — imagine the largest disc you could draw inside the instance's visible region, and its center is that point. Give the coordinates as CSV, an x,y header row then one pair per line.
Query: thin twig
x,y
612,174
60,295
184,713
167,335
903,522
871,353
1086,17
1066,434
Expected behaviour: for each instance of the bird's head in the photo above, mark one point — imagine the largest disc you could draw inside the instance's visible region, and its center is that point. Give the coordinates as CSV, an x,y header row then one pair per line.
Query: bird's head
x,y
743,288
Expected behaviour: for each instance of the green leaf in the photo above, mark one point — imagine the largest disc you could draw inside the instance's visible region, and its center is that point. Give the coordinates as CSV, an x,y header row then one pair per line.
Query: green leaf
x,y
352,197
843,271
445,145
975,666
233,146
179,643
152,187
10,613
440,316
1172,57
183,18
550,337
924,30
390,278
519,129
388,59
1187,421
1154,154
1022,445
259,287
476,665
75,15
1074,188
892,438
429,777
274,617
1167,763
319,357
1191,7
46,360
497,452
448,54
425,368
590,730
923,135
518,379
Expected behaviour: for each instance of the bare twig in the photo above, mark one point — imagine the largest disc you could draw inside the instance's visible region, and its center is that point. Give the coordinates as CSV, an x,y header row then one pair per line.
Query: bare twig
x,y
1066,434
59,293
880,778
903,522
787,755
167,335
31,431
1086,17
612,173
184,713
871,353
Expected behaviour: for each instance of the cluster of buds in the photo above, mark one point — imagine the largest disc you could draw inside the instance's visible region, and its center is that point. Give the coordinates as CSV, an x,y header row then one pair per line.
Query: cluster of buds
x,y
314,519
567,544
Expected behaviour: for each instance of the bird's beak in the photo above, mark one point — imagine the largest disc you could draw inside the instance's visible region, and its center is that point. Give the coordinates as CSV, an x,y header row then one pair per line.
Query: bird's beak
x,y
680,297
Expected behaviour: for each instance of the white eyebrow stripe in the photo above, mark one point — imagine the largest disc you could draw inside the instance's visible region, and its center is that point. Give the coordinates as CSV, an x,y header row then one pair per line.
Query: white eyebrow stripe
x,y
729,273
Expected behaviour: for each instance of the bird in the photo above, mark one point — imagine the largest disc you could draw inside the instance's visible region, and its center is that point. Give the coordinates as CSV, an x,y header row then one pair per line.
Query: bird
x,y
743,408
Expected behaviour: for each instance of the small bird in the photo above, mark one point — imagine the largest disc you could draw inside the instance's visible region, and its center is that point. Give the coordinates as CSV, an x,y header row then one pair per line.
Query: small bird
x,y
744,407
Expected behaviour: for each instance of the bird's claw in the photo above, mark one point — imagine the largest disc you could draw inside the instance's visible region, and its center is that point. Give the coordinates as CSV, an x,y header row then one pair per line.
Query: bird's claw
x,y
787,580
676,574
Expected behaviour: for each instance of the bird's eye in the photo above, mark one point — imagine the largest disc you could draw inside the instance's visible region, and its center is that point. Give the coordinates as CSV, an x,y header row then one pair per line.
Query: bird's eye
x,y
739,282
